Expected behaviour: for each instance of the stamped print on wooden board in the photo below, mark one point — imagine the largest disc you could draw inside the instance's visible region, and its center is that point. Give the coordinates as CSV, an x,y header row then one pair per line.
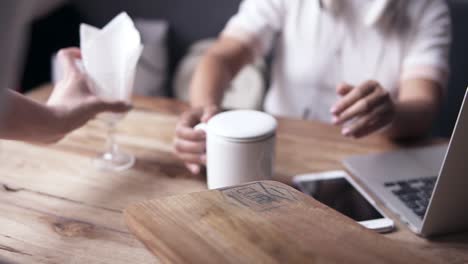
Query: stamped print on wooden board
x,y
259,196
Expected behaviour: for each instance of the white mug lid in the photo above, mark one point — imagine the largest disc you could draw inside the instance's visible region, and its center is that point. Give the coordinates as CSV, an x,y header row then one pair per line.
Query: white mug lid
x,y
242,124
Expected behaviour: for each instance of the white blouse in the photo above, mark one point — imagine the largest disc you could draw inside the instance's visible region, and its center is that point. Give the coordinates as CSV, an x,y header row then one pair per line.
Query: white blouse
x,y
316,47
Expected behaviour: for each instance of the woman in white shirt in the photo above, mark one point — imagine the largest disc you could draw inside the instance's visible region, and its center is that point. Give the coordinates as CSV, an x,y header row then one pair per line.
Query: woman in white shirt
x,y
364,65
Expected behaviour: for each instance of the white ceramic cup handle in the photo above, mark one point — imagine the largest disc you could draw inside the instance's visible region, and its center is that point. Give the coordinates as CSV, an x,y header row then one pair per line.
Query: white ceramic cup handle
x,y
201,126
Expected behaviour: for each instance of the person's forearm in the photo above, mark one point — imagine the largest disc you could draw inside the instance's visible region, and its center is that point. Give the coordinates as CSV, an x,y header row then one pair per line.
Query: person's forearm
x,y
211,78
412,119
216,70
416,109
27,120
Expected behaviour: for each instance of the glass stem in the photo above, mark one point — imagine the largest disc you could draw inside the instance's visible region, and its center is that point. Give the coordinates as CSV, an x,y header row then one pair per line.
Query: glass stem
x,y
112,147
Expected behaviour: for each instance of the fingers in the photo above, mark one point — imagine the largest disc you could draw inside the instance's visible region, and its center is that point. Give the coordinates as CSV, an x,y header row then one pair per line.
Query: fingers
x,y
362,106
97,106
369,106
191,118
186,146
68,58
193,158
369,123
185,128
343,89
189,143
92,106
188,133
370,128
191,152
193,168
76,115
353,96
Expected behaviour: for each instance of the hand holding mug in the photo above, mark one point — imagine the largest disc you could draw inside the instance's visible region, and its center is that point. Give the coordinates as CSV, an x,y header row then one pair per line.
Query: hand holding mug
x,y
240,147
367,108
190,143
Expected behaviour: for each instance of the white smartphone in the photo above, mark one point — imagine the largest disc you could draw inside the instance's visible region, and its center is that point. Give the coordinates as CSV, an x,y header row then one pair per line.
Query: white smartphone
x,y
339,191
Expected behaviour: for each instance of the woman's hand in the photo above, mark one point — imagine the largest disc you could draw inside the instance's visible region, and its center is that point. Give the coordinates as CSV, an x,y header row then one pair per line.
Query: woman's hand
x,y
72,102
70,106
189,143
365,109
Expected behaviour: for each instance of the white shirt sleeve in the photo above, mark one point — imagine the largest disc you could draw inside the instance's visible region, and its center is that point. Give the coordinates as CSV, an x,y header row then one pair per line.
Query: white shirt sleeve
x,y
429,46
256,24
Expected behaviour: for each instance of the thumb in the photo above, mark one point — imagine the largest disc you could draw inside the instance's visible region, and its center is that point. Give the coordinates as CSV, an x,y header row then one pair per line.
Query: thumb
x,y
68,58
343,88
78,115
209,112
193,168
97,106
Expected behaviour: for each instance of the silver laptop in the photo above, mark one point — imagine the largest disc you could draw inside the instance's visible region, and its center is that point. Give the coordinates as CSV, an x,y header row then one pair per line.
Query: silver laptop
x,y
426,187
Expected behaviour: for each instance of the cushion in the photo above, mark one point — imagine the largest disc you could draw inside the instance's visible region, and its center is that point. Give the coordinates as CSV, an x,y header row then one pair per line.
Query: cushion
x,y
246,90
151,74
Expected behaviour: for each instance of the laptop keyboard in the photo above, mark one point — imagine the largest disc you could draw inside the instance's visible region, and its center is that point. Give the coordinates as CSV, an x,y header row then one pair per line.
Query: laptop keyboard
x,y
414,193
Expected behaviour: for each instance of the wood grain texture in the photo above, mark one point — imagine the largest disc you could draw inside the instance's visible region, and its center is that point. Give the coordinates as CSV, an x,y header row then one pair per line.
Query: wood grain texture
x,y
57,208
259,222
36,228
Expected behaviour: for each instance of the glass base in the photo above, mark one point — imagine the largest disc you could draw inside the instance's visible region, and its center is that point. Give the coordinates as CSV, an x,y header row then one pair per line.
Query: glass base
x,y
118,161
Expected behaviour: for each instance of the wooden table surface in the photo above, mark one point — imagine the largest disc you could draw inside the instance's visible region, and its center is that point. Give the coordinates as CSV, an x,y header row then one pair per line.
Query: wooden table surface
x,y
57,208
260,222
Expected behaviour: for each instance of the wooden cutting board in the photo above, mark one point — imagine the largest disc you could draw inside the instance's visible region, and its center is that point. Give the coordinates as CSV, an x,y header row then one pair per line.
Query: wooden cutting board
x,y
259,222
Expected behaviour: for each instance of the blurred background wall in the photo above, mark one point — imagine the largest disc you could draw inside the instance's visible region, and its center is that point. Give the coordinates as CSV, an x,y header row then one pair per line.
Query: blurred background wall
x,y
55,25
188,21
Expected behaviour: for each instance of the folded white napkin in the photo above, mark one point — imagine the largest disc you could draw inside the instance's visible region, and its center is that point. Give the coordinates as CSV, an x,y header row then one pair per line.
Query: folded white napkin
x,y
110,57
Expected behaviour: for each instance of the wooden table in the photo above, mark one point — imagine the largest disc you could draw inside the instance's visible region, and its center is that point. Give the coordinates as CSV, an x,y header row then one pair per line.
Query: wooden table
x,y
57,208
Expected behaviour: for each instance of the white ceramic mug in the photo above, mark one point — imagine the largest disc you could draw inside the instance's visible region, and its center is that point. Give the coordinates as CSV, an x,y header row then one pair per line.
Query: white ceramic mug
x,y
240,147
